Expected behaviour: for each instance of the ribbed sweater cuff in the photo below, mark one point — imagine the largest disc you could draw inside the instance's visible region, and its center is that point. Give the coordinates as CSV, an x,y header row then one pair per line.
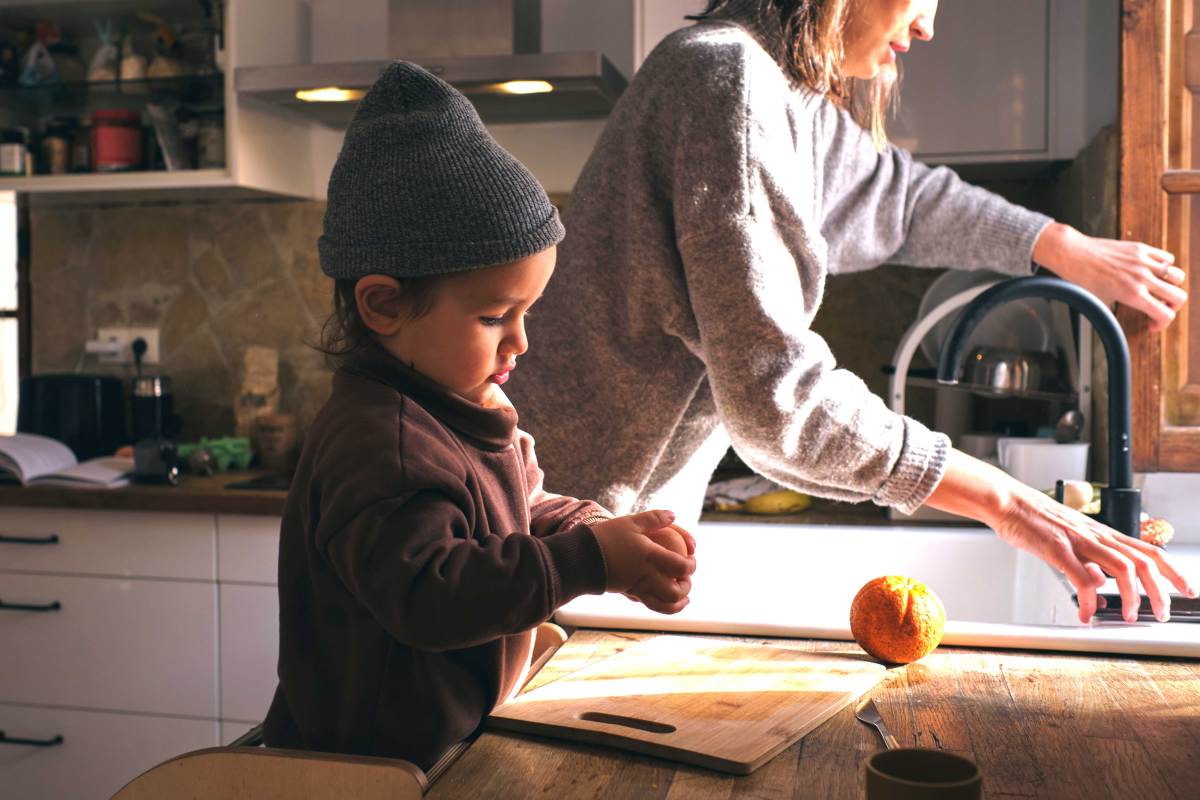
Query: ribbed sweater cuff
x,y
576,565
920,468
1014,233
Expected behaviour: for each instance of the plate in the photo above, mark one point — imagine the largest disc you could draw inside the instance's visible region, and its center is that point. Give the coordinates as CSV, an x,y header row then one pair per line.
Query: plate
x,y
1025,324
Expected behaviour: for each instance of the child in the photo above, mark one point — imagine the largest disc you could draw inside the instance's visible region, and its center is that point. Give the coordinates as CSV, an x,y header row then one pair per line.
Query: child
x,y
419,551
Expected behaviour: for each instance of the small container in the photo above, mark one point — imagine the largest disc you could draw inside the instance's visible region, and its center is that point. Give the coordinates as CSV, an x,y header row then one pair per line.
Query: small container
x,y
210,143
13,152
116,140
81,147
56,146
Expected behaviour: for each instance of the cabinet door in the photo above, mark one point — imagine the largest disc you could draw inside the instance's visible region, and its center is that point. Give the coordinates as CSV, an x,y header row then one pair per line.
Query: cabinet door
x,y
99,752
249,650
249,548
113,644
981,87
126,543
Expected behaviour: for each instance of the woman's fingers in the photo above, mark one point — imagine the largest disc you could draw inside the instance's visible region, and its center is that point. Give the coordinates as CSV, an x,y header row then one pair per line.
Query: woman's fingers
x,y
1165,567
1142,299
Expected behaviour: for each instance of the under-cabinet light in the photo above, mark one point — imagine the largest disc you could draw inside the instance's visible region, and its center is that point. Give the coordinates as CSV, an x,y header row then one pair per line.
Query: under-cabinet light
x,y
330,94
521,87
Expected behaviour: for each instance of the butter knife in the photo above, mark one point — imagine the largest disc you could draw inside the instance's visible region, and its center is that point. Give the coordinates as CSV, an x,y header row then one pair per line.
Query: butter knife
x,y
868,713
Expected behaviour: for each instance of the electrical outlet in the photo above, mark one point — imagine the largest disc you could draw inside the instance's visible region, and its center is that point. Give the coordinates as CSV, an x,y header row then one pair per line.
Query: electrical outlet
x,y
125,338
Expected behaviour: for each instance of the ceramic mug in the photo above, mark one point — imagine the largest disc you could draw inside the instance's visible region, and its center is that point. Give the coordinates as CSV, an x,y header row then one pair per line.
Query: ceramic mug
x,y
1040,462
911,773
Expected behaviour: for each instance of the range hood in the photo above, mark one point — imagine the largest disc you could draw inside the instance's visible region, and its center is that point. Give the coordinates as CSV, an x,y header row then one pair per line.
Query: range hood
x,y
496,62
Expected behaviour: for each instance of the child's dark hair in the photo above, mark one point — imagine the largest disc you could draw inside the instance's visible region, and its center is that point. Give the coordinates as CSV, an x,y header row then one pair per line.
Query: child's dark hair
x,y
344,333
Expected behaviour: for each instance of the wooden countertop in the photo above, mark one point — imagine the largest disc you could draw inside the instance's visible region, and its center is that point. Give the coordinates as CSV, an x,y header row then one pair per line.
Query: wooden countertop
x,y
194,493
1039,725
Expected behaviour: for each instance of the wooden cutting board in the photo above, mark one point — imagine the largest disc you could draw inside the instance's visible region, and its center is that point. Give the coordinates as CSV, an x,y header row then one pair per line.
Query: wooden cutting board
x,y
722,704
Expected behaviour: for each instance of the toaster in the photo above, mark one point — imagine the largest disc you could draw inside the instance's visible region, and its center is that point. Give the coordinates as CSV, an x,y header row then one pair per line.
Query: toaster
x,y
85,412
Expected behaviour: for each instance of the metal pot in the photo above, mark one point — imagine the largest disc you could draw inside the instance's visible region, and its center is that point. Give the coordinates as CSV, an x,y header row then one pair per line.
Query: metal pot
x,y
1012,371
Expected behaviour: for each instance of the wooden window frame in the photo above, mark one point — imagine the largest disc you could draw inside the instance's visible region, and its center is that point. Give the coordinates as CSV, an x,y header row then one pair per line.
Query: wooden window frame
x,y
1155,172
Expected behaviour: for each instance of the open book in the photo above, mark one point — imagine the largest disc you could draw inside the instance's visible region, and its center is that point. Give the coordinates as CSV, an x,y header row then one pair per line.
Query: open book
x,y
35,460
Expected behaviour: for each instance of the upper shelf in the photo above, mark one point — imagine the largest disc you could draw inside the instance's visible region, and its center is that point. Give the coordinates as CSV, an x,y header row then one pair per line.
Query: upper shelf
x,y
585,85
189,89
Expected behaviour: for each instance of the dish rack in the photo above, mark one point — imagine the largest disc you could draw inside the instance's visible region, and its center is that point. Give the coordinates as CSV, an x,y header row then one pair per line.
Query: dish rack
x,y
953,401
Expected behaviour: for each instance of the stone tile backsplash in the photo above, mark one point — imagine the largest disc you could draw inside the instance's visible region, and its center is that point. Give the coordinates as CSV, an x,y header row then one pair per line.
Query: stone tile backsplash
x,y
214,278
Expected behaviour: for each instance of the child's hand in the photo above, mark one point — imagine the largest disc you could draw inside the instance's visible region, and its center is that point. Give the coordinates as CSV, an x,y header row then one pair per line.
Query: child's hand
x,y
678,540
634,559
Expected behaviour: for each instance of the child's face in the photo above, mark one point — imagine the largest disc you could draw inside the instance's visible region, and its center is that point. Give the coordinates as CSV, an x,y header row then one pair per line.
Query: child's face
x,y
472,335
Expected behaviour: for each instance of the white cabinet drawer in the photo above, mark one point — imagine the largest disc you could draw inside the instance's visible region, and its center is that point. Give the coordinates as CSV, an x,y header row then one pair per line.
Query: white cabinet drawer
x,y
134,543
248,548
130,645
249,650
99,752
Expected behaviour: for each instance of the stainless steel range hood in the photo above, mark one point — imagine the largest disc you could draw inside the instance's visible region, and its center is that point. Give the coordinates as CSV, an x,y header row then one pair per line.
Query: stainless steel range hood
x,y
517,84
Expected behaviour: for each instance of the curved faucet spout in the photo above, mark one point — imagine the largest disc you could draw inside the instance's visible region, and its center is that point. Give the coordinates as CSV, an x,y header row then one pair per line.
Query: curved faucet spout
x,y
1123,502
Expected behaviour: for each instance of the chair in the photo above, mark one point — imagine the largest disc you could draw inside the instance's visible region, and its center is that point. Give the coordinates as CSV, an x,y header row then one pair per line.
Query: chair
x,y
244,770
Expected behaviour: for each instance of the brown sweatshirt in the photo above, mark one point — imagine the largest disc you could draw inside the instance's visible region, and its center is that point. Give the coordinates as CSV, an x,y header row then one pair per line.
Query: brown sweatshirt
x,y
418,550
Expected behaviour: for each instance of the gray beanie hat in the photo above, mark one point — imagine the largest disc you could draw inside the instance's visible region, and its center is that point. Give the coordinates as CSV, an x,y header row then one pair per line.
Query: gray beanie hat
x,y
421,188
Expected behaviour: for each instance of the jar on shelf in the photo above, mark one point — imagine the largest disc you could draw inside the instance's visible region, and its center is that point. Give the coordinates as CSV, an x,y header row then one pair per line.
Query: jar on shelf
x,y
14,154
116,140
210,142
56,146
81,147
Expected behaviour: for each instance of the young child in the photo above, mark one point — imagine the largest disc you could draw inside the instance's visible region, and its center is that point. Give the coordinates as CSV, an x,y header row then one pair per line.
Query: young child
x,y
419,551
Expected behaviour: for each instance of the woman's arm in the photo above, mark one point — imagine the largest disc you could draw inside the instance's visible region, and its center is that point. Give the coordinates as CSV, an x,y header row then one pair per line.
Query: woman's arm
x,y
1076,545
1132,273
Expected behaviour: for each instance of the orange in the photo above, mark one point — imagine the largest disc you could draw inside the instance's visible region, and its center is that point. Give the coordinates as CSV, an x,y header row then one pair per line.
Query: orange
x,y
669,538
897,619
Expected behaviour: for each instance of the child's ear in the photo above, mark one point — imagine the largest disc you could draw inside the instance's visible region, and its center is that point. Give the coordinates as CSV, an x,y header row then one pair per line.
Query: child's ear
x,y
380,306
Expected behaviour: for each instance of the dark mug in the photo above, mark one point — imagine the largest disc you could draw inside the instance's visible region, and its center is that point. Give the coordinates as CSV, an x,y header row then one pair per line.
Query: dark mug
x,y
155,461
920,774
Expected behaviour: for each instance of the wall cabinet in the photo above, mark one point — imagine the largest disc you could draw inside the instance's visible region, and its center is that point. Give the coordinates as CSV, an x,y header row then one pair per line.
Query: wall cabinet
x,y
134,636
1024,80
266,152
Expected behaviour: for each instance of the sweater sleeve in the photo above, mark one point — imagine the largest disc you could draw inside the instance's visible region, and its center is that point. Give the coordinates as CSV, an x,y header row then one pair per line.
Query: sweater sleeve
x,y
409,556
887,208
551,513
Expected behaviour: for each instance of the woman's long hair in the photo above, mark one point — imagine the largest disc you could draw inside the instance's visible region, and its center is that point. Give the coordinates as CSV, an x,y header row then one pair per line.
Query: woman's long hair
x,y
813,35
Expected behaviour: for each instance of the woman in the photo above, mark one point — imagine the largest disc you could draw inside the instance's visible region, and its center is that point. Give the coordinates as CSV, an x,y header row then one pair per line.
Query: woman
x,y
745,163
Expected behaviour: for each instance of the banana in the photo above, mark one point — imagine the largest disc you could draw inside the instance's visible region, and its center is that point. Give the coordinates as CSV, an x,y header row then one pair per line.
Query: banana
x,y
781,501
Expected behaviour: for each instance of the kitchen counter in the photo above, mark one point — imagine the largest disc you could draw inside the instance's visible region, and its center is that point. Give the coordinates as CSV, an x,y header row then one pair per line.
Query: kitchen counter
x,y
194,493
1039,725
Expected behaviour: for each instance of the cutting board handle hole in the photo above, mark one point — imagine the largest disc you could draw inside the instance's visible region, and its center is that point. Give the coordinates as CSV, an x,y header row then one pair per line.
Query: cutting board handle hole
x,y
628,722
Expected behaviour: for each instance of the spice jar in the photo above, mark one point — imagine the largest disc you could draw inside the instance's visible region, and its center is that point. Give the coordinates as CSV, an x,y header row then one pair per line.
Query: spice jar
x,y
13,154
116,140
56,146
210,142
81,147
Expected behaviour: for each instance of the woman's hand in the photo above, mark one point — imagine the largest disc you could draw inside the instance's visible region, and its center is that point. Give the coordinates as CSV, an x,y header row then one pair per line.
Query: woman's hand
x,y
1131,273
1076,545
1084,550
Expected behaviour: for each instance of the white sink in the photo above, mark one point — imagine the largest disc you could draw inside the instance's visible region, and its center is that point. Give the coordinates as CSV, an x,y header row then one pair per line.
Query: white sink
x,y
763,579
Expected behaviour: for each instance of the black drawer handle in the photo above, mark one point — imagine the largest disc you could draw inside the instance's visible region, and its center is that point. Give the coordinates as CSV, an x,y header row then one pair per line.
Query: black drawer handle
x,y
51,539
6,739
54,606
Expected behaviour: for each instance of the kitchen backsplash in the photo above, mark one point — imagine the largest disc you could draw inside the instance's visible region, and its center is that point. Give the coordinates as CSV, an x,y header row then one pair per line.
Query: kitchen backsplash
x,y
214,278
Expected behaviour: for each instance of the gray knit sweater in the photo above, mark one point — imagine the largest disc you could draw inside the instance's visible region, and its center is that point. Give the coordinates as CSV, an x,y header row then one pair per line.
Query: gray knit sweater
x,y
699,238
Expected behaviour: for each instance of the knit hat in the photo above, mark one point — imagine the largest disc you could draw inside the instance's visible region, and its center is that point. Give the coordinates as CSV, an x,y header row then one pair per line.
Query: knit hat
x,y
421,188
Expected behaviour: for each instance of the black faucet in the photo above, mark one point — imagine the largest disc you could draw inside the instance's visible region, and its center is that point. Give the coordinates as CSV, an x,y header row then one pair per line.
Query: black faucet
x,y
1120,503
